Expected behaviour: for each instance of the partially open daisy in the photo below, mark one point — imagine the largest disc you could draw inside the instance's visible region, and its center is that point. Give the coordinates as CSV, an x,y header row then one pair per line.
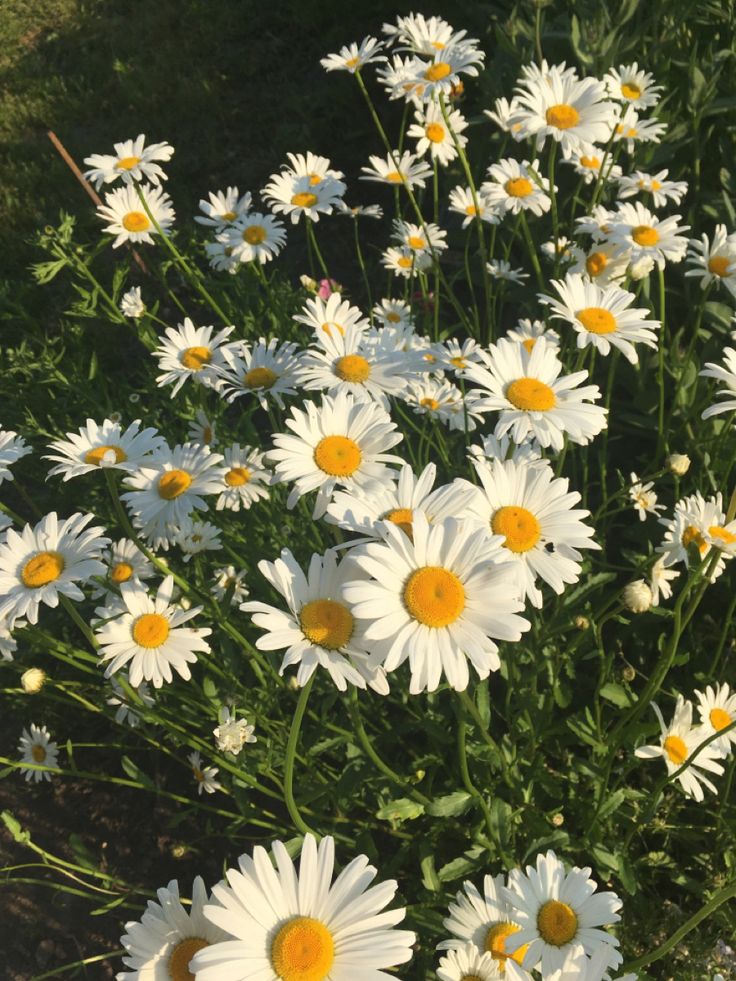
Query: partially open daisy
x,y
190,352
534,398
501,269
104,445
631,84
202,430
557,910
148,636
161,945
229,581
660,579
205,776
265,369
657,185
255,237
37,748
641,233
468,962
714,262
440,599
632,130
331,317
725,373
351,58
231,733
678,741
125,562
126,216
131,303
434,135
398,169
643,498
697,522
246,479
12,448
41,563
463,203
439,399
342,442
132,161
303,927
223,208
602,316
516,186
717,710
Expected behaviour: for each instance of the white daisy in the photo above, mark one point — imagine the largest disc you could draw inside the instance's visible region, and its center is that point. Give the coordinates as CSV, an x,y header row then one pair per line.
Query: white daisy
x,y
398,169
229,580
8,643
714,262
502,114
440,399
405,261
657,185
190,352
602,263
354,57
294,195
131,303
588,161
265,369
454,356
202,430
501,269
231,734
331,317
194,537
204,776
12,448
528,332
642,234
126,713
660,578
424,35
419,238
433,134
700,522
36,747
246,479
634,130
255,237
317,169
360,210
442,74
493,448
220,257
394,313
469,962
127,218
577,966
516,187
559,250
644,498
124,562
597,224
629,83
463,203
402,79
717,709
104,445
132,161
725,373
223,208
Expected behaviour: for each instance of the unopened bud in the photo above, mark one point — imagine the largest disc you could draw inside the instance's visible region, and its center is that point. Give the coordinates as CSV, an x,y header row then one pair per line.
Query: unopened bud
x,y
641,268
33,680
628,673
678,464
558,820
637,596
581,622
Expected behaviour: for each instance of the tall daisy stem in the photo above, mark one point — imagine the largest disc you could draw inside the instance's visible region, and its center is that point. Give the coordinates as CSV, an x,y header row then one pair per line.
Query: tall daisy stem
x,y
662,439
532,251
313,239
301,705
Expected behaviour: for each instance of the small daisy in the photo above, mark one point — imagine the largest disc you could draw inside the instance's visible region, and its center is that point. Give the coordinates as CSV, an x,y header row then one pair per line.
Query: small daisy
x,y
602,264
331,317
265,369
469,962
440,75
463,203
41,563
313,167
220,257
401,78
303,927
714,262
194,537
588,161
726,374
678,742
501,269
657,185
8,643
203,775
245,481
36,747
419,238
454,356
229,580
528,332
354,57
202,430
398,169
149,637
516,187
292,195
360,210
132,161
394,313
104,445
602,316
424,35
717,709
502,114
124,562
644,498
558,251
634,130
232,734
131,303
641,234
630,84
660,578
440,399
190,352
255,237
126,713
223,208
127,218
12,448
493,448
696,521
406,262
434,134
597,224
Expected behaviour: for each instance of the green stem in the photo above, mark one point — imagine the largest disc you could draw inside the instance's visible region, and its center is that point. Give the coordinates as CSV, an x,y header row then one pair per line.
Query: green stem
x,y
313,239
532,251
291,804
663,440
361,263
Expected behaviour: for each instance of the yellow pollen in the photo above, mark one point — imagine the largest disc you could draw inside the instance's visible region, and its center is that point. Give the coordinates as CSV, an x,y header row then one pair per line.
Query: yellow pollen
x,y
562,116
531,395
315,179
416,242
327,623
722,535
631,133
353,368
719,718
302,950
38,753
529,343
127,163
136,221
557,923
173,483
150,630
519,527
228,216
95,455
237,476
495,942
438,71
692,534
519,187
676,750
593,163
434,596
471,210
395,177
41,569
470,977
351,62
656,186
596,263
405,262
305,199
597,320
338,456
430,403
254,235
435,132
121,572
437,45
718,265
402,517
459,363
260,378
630,90
181,955
645,235
393,318
195,358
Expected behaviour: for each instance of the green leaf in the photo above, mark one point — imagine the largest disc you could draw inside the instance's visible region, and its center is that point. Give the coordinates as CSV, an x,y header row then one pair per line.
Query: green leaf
x,y
611,803
430,879
399,810
450,806
617,694
135,772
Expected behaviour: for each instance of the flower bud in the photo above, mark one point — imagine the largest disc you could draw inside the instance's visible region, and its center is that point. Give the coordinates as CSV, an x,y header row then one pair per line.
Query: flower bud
x,y
637,596
641,268
628,673
33,680
558,820
581,622
678,464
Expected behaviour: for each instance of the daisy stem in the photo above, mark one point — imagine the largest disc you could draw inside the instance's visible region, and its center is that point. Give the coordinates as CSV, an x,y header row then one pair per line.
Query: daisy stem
x,y
469,706
553,199
436,296
291,745
84,627
361,263
87,960
727,627
538,32
598,187
313,239
467,779
532,251
662,439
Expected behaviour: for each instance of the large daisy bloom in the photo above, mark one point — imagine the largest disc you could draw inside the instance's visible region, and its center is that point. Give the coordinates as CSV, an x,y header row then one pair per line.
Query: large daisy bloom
x,y
103,445
255,237
534,399
223,208
437,599
631,84
602,316
577,966
190,352
516,187
468,962
342,442
714,262
319,630
725,373
294,195
535,514
12,448
559,910
717,709
642,235
246,479
41,563
265,369
303,927
132,161
127,219
351,58
148,635
398,169
35,746
161,945
678,741
432,133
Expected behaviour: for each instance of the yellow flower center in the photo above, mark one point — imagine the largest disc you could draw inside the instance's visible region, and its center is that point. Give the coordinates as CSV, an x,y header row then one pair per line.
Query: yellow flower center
x,y
434,596
495,942
656,186
181,955
630,90
519,187
121,572
471,210
237,476
302,950
228,216
254,234
430,403
596,263
722,535
326,623
557,923
304,199
150,630
470,977
207,434
593,163
416,242
459,363
38,753
351,62
531,395
529,343
645,235
315,179
597,320
127,163
195,358
719,718
338,456
437,45
562,116
136,221
692,534
393,318
405,262
395,177
352,368
438,71
435,132
718,265
519,527
41,569
173,483
94,456
402,517
676,750
259,378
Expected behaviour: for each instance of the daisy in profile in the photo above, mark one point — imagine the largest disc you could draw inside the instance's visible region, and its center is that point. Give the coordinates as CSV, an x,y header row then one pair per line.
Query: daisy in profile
x,y
439,599
401,78
504,110
714,262
127,219
331,317
516,187
12,448
230,581
245,481
125,562
36,747
255,237
501,269
660,579
632,130
534,398
468,962
438,398
190,352
163,942
463,203
632,85
132,161
528,332
294,195
398,169
657,185
104,445
41,563
194,537
717,710
698,522
302,926
360,210
264,369
205,776
424,35
319,629
641,234
678,742
725,373
231,733
602,316
644,498
588,161
340,443
351,58
202,430
223,208
131,303
556,911
220,257
148,638
434,134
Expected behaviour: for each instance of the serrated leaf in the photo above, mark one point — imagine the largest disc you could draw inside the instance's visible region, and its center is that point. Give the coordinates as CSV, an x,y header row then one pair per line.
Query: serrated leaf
x,y
611,803
450,806
399,810
617,695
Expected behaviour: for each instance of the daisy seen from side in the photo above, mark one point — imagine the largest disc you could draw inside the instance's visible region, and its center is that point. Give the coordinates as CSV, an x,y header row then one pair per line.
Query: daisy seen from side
x,y
104,444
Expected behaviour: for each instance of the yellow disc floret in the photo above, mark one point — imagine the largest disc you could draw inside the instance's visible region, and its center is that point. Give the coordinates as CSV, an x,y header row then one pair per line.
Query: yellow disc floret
x,y
254,234
195,358
719,718
597,320
630,90
127,163
676,750
136,221
41,569
338,456
718,265
519,187
352,368
562,116
596,263
94,456
181,955
302,950
150,630
645,235
173,483
434,596
237,476
557,923
304,199
403,517
260,378
531,395
437,71
722,535
326,623
435,132
38,753
692,534
519,527
121,572
592,163
495,942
